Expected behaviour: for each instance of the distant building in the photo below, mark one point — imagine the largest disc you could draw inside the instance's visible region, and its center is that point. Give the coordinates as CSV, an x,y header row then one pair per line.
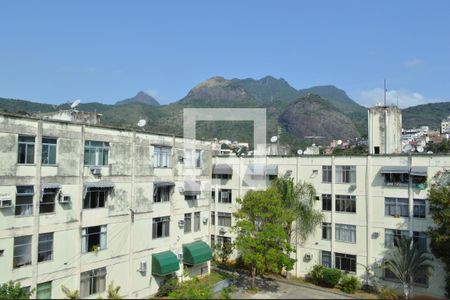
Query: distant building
x,y
385,130
445,125
72,115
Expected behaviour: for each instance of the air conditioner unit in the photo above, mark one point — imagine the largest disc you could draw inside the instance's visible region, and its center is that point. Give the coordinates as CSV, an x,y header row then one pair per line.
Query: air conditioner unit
x,y
222,230
205,220
308,256
96,170
375,235
64,198
181,223
5,203
142,267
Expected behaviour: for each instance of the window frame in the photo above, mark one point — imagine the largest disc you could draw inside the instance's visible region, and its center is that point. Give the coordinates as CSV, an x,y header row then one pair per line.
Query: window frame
x,y
159,191
96,153
47,142
327,174
327,202
345,203
46,288
97,201
164,223
323,261
394,204
42,243
346,174
342,230
228,200
187,222
419,208
27,246
102,234
160,152
349,257
223,219
25,146
93,277
48,200
28,196
197,221
326,231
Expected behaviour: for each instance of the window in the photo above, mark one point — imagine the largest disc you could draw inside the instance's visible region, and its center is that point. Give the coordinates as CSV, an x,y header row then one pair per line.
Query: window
x,y
162,157
197,221
345,262
419,208
26,150
326,231
223,240
376,149
326,259
48,151
222,176
161,227
397,207
162,193
393,236
213,218
96,153
213,242
420,239
396,178
213,196
44,290
95,198
198,158
93,238
22,251
24,200
224,219
326,174
346,233
92,282
47,204
345,203
421,278
224,196
187,223
326,202
45,247
345,174
190,197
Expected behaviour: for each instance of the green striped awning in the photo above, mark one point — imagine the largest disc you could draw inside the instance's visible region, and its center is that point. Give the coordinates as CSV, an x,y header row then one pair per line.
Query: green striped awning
x,y
196,253
164,263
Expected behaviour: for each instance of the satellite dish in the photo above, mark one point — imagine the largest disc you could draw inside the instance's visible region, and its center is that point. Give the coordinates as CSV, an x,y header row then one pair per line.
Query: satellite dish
x,y
274,139
430,152
420,149
299,151
407,148
339,142
75,103
141,123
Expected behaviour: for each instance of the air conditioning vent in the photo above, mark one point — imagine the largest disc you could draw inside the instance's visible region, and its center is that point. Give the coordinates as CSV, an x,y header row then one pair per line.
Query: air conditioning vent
x,y
222,230
308,256
64,198
96,170
205,220
142,267
5,203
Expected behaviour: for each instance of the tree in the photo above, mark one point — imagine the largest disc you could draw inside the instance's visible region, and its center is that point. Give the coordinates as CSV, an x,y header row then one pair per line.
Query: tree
x,y
11,290
70,294
439,199
223,251
113,291
407,262
261,237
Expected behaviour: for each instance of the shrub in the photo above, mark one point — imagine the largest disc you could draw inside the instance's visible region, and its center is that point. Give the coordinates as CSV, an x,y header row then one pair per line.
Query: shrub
x,y
316,274
193,289
226,292
331,277
11,290
168,285
387,293
349,284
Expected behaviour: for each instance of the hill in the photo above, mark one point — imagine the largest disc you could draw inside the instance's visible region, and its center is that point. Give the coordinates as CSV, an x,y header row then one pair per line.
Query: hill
x,y
140,97
425,115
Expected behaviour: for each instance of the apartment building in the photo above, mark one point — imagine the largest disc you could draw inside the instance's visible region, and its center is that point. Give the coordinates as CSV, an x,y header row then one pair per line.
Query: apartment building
x,y
84,205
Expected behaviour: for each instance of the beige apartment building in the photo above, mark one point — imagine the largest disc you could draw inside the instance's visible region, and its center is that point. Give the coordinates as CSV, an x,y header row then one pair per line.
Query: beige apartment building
x,y
84,205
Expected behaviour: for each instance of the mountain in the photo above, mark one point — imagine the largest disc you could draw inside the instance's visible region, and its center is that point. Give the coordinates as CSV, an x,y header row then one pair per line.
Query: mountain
x,y
425,115
140,97
313,116
268,89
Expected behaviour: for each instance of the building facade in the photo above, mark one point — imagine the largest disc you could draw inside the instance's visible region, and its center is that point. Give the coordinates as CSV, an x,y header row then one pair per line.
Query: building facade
x,y
385,130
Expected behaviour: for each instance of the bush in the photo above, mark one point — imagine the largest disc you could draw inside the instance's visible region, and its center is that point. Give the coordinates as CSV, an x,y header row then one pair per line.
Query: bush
x,y
169,285
193,289
331,277
349,284
11,290
386,293
316,274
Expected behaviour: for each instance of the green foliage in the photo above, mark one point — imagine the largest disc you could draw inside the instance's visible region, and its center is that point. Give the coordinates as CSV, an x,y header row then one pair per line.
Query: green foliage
x,y
317,274
223,251
169,285
11,290
331,277
386,293
439,199
70,294
349,284
226,292
193,289
355,150
406,262
113,291
261,237
442,147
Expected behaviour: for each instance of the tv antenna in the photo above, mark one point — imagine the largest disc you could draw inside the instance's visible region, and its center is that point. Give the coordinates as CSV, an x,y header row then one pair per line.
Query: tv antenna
x,y
141,123
384,92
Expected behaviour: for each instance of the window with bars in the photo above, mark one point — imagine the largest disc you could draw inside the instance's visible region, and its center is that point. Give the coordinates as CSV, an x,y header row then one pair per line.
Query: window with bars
x,y
326,174
346,203
419,208
345,262
326,259
223,240
224,196
45,246
22,251
345,233
197,221
96,153
161,227
326,231
420,239
326,202
93,238
187,223
26,149
47,204
396,207
345,174
224,219
96,198
162,156
396,179
24,200
48,156
92,282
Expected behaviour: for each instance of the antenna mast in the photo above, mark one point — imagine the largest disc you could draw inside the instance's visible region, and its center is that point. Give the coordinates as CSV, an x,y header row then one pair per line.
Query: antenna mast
x,y
384,94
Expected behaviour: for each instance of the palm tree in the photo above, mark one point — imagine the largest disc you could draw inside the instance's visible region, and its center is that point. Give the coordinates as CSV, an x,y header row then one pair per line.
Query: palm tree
x,y
113,291
406,262
70,294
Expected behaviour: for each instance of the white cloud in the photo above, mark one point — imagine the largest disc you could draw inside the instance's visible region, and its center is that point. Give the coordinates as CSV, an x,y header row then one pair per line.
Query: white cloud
x,y
414,62
405,98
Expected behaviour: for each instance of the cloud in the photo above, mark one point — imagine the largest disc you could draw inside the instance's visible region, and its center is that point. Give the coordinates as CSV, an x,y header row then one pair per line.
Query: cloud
x,y
405,98
414,62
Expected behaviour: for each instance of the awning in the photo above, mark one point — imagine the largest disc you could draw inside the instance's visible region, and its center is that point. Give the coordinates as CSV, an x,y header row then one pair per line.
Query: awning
x,y
163,183
419,171
222,169
51,186
196,253
395,170
164,263
191,188
97,184
263,170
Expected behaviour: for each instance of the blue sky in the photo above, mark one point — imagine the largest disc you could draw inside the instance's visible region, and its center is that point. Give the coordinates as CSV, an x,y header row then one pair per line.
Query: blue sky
x,y
58,51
